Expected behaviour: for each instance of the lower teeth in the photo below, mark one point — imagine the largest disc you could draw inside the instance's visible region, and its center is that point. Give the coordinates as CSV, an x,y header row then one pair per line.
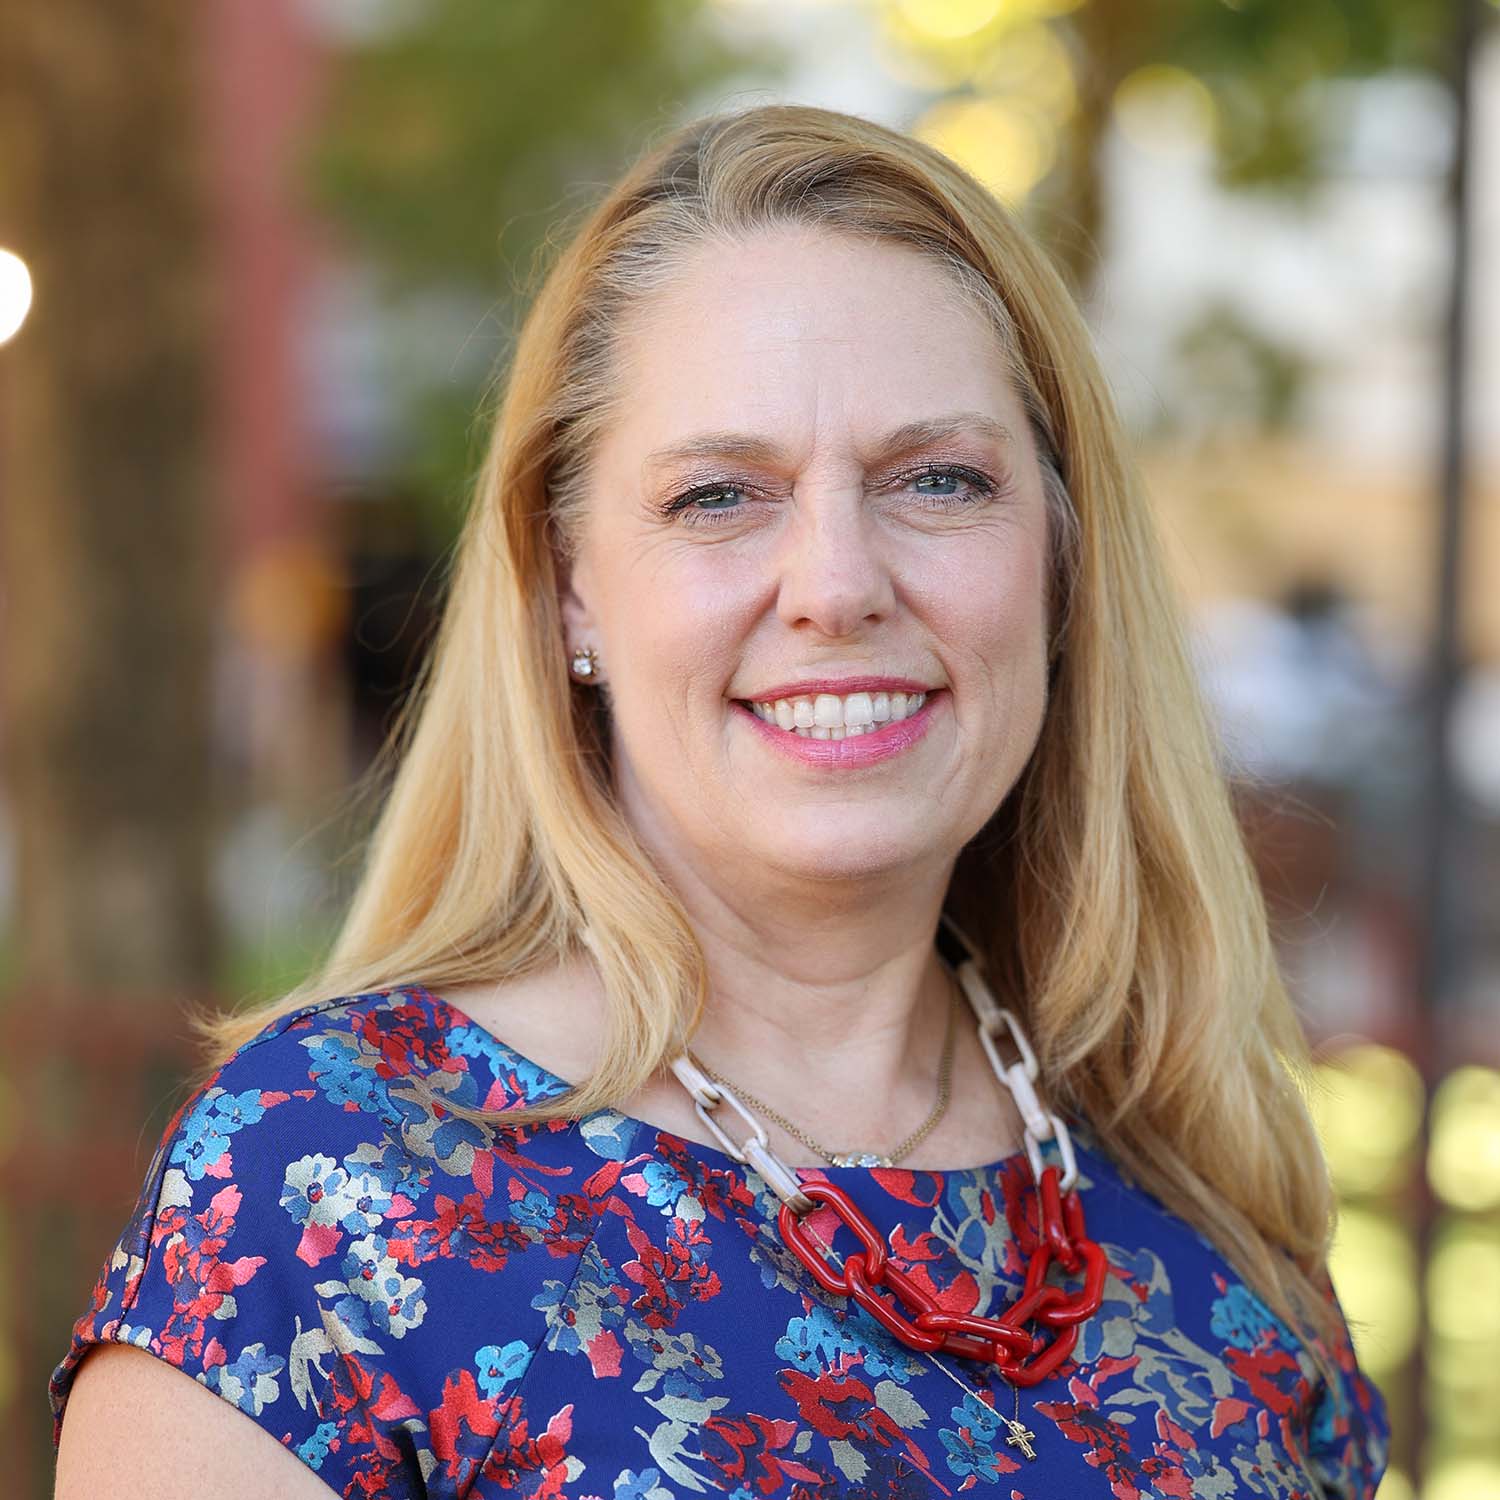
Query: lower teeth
x,y
834,734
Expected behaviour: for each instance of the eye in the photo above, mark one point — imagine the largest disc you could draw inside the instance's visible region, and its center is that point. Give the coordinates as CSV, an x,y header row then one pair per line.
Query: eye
x,y
972,485
704,503
712,504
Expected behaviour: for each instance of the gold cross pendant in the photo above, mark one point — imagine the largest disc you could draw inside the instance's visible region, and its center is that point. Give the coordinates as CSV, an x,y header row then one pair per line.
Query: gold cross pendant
x,y
1019,1437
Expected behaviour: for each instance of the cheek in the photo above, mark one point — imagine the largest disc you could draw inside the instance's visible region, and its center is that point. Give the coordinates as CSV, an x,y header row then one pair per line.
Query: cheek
x,y
995,612
678,635
682,622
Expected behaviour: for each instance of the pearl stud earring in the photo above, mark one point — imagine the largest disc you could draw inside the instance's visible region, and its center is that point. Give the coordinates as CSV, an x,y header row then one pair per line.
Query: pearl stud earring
x,y
585,663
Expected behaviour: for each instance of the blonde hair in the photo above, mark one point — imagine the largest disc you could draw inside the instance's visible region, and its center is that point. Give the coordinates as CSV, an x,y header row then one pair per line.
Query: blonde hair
x,y
1111,894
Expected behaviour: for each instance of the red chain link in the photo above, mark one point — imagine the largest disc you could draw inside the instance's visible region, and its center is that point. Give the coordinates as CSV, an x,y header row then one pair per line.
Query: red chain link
x,y
1021,1358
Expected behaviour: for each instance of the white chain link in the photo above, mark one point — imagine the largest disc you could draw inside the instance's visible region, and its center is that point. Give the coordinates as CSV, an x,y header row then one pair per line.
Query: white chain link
x,y
1018,1076
755,1152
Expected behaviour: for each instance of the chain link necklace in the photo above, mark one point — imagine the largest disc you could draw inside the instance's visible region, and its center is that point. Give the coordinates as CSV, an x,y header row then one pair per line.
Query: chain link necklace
x,y
1019,1356
868,1158
1018,1435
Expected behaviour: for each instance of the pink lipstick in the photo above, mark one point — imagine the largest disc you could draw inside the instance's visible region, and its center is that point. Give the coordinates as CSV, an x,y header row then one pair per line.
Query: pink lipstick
x,y
888,740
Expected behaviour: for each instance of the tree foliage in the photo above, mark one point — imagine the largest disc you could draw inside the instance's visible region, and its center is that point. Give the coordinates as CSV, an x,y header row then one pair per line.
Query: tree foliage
x,y
455,150
452,145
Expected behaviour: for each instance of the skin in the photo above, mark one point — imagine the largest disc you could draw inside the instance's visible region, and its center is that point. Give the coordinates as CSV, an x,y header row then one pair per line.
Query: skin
x,y
816,895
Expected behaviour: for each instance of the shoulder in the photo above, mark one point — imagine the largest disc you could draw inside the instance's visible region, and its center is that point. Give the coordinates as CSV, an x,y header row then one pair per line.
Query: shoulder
x,y
315,1215
365,1075
1348,1421
376,1060
1172,1299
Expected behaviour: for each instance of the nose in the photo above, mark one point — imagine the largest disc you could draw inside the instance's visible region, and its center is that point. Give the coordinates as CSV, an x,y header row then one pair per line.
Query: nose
x,y
834,576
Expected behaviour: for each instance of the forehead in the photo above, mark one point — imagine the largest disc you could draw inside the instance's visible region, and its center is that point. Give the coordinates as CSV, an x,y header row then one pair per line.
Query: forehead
x,y
806,335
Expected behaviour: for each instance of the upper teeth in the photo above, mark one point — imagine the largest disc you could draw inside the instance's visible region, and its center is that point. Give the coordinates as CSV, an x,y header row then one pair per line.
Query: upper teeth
x,y
826,716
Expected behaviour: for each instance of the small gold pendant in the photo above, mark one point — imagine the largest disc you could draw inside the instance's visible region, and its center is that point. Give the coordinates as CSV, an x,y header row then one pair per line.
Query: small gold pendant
x,y
861,1159
1019,1436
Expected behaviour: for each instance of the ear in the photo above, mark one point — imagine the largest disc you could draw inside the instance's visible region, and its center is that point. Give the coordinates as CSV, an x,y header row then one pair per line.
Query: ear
x,y
574,593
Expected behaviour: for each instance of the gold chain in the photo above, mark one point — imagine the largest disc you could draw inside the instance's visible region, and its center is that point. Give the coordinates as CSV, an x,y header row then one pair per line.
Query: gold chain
x,y
866,1158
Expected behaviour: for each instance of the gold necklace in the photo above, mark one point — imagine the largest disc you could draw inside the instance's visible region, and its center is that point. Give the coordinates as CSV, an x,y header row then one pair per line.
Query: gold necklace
x,y
867,1158
1018,1435
755,1154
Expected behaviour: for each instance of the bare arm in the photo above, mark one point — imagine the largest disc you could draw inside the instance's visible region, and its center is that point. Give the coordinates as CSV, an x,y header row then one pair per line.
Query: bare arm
x,y
134,1426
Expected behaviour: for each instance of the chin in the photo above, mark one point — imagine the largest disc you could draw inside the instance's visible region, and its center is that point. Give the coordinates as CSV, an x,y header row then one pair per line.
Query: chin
x,y
838,854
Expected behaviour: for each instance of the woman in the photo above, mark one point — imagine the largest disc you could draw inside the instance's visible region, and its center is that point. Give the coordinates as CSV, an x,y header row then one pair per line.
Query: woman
x,y
809,730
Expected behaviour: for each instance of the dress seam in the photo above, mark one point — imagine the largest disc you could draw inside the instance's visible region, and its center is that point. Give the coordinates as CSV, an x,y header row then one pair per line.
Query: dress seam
x,y
566,1297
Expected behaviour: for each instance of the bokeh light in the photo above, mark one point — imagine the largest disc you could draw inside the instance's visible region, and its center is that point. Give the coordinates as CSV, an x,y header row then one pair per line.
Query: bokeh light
x,y
1463,1285
15,294
947,20
1031,66
1463,1160
1373,1263
1165,109
1008,149
1368,1107
1463,1479
964,44
1395,1485
1463,1356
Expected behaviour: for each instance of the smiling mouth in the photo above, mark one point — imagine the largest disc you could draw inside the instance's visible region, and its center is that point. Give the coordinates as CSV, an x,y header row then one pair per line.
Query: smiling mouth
x,y
827,716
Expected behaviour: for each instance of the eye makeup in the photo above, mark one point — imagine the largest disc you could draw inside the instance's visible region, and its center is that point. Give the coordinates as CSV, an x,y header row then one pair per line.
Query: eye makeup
x,y
980,487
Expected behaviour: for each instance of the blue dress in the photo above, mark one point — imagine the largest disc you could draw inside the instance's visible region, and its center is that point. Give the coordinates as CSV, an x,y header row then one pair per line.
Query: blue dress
x,y
600,1308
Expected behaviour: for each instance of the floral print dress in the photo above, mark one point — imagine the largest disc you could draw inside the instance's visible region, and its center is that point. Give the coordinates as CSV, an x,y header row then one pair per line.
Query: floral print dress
x,y
417,1306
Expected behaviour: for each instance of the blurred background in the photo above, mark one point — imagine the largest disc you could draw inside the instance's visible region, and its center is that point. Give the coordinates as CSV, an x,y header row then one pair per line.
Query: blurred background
x,y
260,262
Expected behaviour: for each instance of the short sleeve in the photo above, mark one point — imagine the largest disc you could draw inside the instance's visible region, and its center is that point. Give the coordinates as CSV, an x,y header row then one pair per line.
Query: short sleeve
x,y
1348,1423
253,1262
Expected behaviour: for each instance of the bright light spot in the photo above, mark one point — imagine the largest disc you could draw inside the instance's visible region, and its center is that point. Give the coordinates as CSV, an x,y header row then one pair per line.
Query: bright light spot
x,y
1463,1161
947,20
1463,1395
1463,1287
1165,109
1008,149
1031,65
945,45
1462,1479
1367,1103
1373,1265
1394,1485
15,294
1463,1349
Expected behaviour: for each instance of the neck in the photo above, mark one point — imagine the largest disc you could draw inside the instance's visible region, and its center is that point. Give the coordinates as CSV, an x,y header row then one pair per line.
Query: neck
x,y
827,1001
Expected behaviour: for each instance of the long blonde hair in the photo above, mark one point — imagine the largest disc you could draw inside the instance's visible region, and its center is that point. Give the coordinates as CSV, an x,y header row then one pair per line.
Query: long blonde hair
x,y
1111,894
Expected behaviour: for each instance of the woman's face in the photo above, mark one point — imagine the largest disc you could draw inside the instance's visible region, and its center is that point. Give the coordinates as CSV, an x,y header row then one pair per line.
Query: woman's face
x,y
822,488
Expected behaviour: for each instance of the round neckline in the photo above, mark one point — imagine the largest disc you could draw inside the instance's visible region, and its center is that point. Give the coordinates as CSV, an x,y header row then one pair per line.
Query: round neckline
x,y
712,1155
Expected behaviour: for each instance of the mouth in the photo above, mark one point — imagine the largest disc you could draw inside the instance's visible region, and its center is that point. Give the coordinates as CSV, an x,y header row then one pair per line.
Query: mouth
x,y
833,716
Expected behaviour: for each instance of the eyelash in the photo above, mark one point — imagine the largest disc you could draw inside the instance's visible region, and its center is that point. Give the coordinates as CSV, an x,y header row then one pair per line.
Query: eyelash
x,y
982,486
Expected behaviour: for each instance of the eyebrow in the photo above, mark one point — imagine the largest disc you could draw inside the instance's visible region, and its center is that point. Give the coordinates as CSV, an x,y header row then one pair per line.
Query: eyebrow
x,y
749,448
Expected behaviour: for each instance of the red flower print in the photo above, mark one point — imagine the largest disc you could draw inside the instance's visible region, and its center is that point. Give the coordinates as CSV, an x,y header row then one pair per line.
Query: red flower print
x,y
747,1450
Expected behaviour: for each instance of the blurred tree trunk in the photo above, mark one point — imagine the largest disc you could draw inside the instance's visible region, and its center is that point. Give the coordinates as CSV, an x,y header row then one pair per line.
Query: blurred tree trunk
x,y
105,629
1074,223
105,537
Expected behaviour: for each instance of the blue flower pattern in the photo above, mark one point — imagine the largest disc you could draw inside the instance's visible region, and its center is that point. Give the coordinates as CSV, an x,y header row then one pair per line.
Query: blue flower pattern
x,y
597,1309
